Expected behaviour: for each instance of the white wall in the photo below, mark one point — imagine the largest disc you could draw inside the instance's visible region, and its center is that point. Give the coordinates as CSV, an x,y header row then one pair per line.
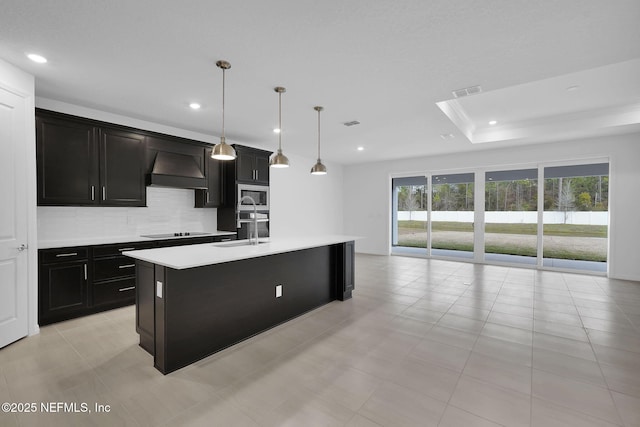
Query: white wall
x,y
368,186
305,204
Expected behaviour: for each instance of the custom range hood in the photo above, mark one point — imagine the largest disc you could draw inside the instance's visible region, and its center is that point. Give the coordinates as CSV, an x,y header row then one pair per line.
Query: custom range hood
x,y
176,170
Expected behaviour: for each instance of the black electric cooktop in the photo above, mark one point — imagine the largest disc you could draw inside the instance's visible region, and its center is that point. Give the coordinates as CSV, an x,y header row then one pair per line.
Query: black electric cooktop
x,y
178,234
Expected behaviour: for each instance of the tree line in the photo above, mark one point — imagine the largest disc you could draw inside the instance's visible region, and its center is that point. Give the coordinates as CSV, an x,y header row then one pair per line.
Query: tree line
x,y
585,193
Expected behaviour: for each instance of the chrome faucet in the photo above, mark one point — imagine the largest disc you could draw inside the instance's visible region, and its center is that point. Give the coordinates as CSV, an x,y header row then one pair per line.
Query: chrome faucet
x,y
255,218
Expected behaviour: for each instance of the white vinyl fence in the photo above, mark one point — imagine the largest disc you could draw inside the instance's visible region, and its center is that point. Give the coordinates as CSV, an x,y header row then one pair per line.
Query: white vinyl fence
x,y
512,217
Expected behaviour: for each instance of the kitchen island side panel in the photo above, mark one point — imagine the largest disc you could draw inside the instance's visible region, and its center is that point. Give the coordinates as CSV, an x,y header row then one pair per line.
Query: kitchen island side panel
x,y
145,317
206,309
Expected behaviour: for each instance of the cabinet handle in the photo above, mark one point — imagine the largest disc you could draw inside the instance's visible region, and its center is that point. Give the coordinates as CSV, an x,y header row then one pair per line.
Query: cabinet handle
x,y
104,193
126,266
127,249
257,174
226,240
69,254
207,196
126,289
93,192
85,272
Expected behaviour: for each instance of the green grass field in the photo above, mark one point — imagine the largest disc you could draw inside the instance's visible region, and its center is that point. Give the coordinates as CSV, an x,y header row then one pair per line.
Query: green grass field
x,y
406,228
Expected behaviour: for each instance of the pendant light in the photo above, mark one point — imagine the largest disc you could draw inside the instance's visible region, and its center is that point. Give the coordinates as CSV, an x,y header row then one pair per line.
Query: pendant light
x,y
222,150
279,160
318,168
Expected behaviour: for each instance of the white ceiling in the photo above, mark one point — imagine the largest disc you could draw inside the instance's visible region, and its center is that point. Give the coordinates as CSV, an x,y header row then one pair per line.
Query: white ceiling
x,y
383,63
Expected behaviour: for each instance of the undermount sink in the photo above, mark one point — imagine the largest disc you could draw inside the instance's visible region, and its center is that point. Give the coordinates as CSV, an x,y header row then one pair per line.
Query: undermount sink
x,y
236,244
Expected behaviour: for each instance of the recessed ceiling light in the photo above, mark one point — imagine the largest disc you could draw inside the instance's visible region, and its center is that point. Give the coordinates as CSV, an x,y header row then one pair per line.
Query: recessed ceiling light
x,y
493,122
194,106
276,130
360,148
572,88
37,58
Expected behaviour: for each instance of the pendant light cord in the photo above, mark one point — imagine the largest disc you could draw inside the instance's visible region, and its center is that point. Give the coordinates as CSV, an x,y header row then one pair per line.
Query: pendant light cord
x,y
318,134
223,72
280,121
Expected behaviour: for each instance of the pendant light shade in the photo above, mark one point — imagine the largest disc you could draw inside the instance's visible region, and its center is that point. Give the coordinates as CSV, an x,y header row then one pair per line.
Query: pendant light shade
x,y
318,168
279,160
222,150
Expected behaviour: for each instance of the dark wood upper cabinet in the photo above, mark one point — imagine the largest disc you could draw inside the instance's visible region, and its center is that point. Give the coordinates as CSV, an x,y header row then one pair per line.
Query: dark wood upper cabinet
x,y
212,197
81,163
122,160
67,162
252,165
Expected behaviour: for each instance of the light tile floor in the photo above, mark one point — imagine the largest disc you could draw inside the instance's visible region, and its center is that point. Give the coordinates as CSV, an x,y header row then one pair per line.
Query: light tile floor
x,y
423,342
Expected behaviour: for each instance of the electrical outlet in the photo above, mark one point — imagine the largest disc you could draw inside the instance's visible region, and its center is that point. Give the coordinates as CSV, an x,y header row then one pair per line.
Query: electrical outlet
x,y
278,291
159,289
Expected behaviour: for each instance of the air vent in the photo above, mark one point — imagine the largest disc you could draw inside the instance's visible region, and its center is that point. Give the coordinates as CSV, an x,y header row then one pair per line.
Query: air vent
x,y
471,90
351,123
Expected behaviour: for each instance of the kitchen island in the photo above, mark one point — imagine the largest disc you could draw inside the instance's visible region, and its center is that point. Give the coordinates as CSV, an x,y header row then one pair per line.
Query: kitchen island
x,y
193,301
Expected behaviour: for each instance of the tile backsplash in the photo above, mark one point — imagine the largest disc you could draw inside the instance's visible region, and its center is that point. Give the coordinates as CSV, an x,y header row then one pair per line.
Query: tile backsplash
x,y
168,210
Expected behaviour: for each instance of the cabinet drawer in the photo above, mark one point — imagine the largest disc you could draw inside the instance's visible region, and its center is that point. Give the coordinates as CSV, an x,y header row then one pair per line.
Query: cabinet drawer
x,y
114,267
118,248
48,256
114,291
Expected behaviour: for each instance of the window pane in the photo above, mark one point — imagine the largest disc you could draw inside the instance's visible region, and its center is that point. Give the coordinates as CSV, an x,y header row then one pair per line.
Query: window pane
x,y
576,214
452,215
511,217
410,212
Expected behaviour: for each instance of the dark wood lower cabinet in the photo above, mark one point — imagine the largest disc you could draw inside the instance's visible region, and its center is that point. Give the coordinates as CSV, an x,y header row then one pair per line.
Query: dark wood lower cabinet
x,y
185,315
77,281
63,291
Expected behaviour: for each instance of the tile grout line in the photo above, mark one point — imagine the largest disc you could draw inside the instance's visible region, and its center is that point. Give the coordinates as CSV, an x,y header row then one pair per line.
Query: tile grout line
x,y
448,403
93,370
597,361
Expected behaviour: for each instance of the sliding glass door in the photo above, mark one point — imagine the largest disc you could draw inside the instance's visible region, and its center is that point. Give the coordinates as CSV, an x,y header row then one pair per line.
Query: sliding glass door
x,y
410,221
561,222
452,215
576,216
511,217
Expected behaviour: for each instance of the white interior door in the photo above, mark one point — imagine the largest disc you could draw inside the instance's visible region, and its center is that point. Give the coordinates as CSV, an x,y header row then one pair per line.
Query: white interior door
x,y
13,217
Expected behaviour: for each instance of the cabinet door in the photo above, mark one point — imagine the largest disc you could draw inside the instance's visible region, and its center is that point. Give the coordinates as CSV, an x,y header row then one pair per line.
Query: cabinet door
x,y
262,169
122,168
212,197
245,167
62,291
67,162
252,165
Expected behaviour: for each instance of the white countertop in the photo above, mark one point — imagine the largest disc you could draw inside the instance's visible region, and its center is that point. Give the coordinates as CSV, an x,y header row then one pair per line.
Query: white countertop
x,y
105,240
181,257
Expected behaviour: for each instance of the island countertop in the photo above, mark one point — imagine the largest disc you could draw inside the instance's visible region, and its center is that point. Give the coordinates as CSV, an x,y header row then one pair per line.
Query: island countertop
x,y
183,257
